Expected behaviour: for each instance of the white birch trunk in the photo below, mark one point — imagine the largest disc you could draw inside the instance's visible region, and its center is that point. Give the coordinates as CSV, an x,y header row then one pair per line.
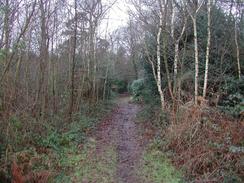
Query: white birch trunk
x,y
196,59
193,16
172,21
159,60
207,51
237,52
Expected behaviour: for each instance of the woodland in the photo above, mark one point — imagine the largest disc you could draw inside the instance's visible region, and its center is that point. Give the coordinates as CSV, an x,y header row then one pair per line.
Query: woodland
x,y
160,100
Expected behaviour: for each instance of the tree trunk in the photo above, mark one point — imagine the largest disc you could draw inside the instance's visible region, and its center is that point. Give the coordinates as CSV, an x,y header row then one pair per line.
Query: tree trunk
x,y
166,65
237,51
165,44
134,65
196,59
194,21
95,66
176,59
17,73
73,64
159,59
40,94
207,50
6,28
105,83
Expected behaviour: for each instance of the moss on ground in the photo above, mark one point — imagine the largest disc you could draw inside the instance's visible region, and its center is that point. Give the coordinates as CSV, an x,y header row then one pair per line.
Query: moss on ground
x,y
89,166
156,167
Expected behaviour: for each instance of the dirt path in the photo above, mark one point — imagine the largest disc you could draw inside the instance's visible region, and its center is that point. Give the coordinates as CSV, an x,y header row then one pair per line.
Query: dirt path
x,y
120,131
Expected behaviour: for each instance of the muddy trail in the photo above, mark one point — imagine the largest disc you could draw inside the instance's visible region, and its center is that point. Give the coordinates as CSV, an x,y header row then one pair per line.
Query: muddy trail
x,y
120,131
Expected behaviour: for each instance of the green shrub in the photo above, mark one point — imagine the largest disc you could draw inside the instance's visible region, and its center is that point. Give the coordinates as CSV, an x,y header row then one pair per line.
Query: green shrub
x,y
233,102
53,140
234,85
121,85
2,149
15,122
137,87
152,113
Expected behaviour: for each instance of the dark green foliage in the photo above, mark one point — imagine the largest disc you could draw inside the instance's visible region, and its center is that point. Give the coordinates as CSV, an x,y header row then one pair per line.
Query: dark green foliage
x,y
74,133
234,85
15,122
136,88
2,55
222,61
150,82
233,101
57,140
50,141
146,89
152,113
119,86
2,146
232,178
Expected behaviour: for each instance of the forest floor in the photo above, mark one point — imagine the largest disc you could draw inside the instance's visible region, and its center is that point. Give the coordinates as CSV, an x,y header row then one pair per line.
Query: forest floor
x,y
124,142
121,132
117,146
120,152
114,148
122,148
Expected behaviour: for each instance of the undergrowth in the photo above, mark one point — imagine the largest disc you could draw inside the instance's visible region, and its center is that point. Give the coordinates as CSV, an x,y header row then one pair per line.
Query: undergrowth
x,y
207,145
204,143
49,149
155,165
84,165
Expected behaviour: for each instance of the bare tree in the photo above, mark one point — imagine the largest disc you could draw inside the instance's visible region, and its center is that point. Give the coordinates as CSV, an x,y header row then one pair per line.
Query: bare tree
x,y
195,7
237,43
207,49
73,39
40,101
164,10
24,28
177,42
159,83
